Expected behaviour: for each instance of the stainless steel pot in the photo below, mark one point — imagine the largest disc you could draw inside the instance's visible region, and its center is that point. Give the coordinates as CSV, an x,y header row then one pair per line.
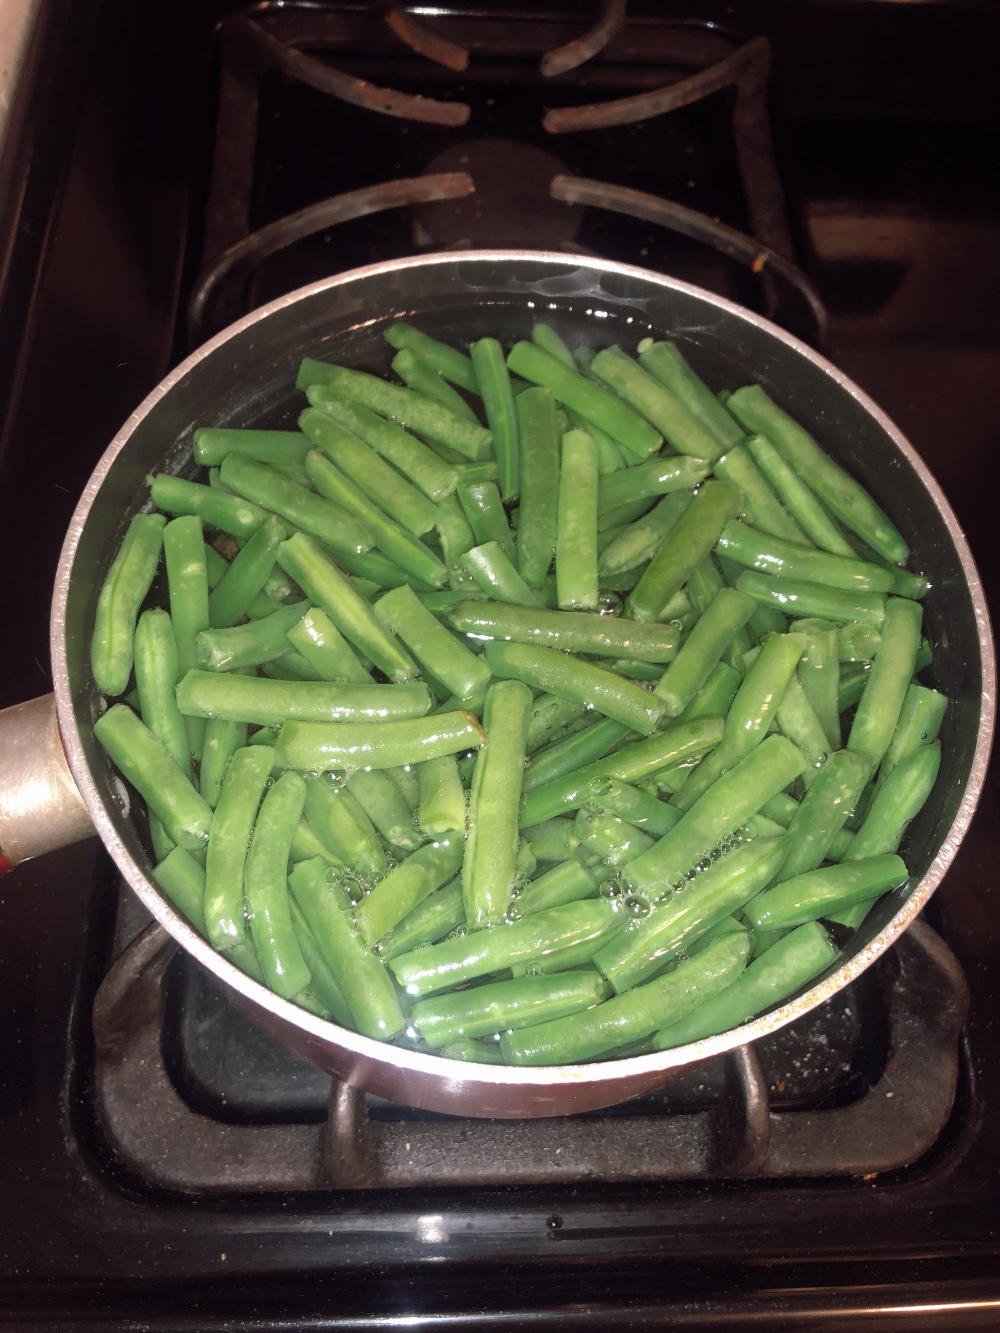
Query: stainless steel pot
x,y
244,377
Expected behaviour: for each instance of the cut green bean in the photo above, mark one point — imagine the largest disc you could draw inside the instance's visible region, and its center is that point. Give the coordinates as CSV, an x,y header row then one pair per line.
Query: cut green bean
x,y
885,689
728,612
539,443
493,380
491,570
726,886
441,808
423,378
483,508
249,645
213,443
521,1003
716,816
156,776
446,360
322,645
641,808
634,544
572,631
845,496
431,920
797,498
819,892
552,671
218,509
122,593
595,403
344,827
489,868
246,575
771,979
411,409
568,882
384,804
607,841
410,456
353,615
554,719
480,952
363,979
222,740
681,429
551,840
896,802
228,844
789,560
156,681
658,476
407,884
315,747
796,598
819,675
830,800
182,878
266,881
435,648
268,703
761,506
666,362
546,337
919,722
637,1013
684,548
573,752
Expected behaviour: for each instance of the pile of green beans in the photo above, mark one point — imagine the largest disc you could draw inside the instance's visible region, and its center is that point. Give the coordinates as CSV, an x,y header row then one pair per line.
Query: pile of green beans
x,y
542,707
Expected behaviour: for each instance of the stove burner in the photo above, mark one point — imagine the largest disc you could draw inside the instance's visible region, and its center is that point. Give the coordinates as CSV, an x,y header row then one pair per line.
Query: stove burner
x,y
582,49
512,206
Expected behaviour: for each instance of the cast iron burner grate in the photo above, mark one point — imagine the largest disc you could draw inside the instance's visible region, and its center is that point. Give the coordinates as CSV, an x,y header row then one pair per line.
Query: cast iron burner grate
x,y
190,1096
341,140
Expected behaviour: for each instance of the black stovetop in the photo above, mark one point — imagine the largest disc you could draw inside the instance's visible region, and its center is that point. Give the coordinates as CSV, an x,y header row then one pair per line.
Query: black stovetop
x,y
885,139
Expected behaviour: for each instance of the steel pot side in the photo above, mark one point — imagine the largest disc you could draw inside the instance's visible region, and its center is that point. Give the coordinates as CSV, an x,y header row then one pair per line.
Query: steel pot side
x,y
244,377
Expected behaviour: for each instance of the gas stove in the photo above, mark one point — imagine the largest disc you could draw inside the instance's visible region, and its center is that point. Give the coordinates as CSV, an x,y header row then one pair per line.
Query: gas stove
x,y
168,167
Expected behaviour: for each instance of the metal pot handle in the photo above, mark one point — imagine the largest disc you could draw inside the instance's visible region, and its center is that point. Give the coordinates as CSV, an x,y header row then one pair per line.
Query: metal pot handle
x,y
40,807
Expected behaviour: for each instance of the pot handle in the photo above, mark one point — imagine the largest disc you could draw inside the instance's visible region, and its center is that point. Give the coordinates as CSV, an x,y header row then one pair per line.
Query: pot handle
x,y
40,807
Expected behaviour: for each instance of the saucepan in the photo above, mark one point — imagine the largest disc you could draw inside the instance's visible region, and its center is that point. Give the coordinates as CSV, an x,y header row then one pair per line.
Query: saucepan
x,y
58,785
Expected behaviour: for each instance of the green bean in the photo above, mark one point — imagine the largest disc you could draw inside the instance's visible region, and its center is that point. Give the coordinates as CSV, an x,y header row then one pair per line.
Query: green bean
x,y
715,696
122,593
307,843
682,430
492,571
773,977
576,523
488,871
554,719
658,476
773,555
635,1014
796,598
411,409
156,681
852,684
551,840
845,496
609,455
268,703
265,879
615,519
410,456
674,744
222,740
819,675
283,449
156,776
755,706
797,498
483,508
885,689
474,1052
666,362
547,669
228,843
229,513
380,482
182,878
573,631
466,957
565,883
545,336
635,435
716,816
605,840
634,544
817,893
760,504
431,920
539,470
364,982
685,546
384,804
493,380
639,807
353,615
573,752
423,378
322,644
728,612
900,797
441,807
248,645
829,801
315,747
246,575
407,884
446,360
797,720
726,886
344,827
441,654
919,722
856,642
523,1002
322,981
341,530
402,548
290,665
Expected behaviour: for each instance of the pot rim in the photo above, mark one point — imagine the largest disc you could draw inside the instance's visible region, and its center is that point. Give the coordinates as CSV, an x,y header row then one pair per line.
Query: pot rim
x,y
466,1076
